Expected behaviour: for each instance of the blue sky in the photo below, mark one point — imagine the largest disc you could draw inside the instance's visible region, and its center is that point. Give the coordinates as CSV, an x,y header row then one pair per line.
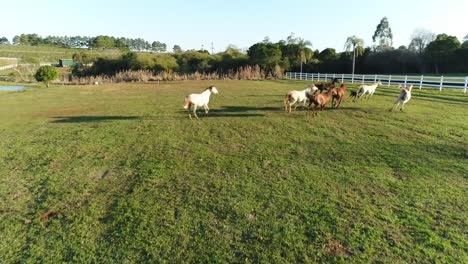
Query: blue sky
x,y
191,24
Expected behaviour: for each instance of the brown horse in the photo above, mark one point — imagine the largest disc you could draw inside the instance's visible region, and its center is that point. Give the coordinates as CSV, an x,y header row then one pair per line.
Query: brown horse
x,y
338,95
320,100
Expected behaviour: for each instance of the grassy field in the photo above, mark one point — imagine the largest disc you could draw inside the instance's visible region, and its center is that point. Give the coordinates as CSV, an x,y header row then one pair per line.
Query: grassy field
x,y
51,54
118,173
7,62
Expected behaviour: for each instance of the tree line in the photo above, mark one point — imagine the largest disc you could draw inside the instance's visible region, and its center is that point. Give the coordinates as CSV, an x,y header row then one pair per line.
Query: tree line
x,y
425,53
98,42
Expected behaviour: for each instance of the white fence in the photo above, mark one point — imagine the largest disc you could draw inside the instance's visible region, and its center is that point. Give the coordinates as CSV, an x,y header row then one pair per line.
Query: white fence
x,y
418,81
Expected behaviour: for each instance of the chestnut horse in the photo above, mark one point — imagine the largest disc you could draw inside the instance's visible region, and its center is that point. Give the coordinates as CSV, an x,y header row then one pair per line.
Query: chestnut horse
x,y
320,100
338,95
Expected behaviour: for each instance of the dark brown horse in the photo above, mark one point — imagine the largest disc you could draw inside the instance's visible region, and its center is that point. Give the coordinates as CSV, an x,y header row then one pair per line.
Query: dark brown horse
x,y
353,95
327,86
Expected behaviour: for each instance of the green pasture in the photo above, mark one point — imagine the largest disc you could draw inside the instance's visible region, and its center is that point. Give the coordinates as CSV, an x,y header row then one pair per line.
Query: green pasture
x,y
117,173
51,54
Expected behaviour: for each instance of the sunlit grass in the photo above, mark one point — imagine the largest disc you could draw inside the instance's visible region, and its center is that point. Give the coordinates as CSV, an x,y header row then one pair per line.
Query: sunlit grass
x,y
118,173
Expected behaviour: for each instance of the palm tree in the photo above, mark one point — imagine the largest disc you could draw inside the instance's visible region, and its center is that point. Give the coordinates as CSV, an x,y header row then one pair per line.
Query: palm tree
x,y
357,45
304,53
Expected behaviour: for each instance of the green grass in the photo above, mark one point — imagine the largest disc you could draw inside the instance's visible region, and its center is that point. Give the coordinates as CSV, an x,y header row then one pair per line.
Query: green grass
x,y
51,54
6,62
118,173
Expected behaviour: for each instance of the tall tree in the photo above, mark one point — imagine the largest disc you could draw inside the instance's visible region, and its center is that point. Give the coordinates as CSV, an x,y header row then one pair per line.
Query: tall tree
x,y
465,42
4,41
327,54
266,55
158,46
383,36
357,45
177,49
304,53
103,42
266,39
291,39
441,50
420,39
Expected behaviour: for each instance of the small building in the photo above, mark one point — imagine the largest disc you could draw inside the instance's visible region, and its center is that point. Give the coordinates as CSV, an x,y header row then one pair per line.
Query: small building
x,y
67,63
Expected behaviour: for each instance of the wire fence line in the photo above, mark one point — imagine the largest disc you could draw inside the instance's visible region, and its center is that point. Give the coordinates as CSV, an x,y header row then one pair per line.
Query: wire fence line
x,y
420,81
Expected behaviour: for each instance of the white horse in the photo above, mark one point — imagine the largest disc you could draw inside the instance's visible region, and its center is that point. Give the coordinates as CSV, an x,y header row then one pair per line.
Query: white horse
x,y
367,89
293,97
199,100
403,97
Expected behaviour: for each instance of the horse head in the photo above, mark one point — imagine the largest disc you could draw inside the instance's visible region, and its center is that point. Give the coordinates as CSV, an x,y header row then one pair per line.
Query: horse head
x,y
213,89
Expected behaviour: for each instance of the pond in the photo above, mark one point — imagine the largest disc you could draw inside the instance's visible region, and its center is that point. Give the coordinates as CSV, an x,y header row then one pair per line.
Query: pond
x,y
12,88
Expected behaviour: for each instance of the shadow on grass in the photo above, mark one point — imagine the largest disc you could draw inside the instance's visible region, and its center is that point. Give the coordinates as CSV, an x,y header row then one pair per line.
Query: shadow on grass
x,y
240,109
236,111
88,119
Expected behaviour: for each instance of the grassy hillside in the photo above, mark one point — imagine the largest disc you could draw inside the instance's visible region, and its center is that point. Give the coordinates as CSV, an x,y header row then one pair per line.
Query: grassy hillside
x,y
118,173
49,54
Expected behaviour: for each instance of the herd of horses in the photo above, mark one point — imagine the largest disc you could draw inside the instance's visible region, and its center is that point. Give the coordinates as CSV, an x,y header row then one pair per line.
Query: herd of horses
x,y
314,94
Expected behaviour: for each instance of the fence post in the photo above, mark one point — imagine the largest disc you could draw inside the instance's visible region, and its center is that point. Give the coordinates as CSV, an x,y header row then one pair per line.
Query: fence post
x,y
318,77
466,84
406,79
389,80
342,78
441,82
333,76
352,78
363,79
313,77
420,82
375,78
326,76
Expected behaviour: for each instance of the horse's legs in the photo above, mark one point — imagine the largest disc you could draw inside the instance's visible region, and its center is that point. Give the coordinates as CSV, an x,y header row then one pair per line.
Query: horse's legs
x,y
188,110
361,95
338,102
291,104
316,109
402,104
206,109
195,110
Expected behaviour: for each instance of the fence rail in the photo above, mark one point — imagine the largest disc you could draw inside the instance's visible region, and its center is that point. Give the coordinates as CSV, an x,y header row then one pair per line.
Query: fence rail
x,y
420,81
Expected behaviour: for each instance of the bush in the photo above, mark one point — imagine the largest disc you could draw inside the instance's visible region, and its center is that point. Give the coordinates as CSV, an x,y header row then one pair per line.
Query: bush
x,y
46,74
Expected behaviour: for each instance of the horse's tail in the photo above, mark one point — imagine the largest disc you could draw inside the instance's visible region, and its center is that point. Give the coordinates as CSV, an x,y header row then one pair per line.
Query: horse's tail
x,y
286,100
187,103
359,90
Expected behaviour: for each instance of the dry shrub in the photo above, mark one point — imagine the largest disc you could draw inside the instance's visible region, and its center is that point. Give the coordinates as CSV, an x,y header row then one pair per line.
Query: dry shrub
x,y
243,73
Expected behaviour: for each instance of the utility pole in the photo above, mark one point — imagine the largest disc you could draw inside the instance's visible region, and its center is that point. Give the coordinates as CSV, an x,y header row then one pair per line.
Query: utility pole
x,y
202,47
212,47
